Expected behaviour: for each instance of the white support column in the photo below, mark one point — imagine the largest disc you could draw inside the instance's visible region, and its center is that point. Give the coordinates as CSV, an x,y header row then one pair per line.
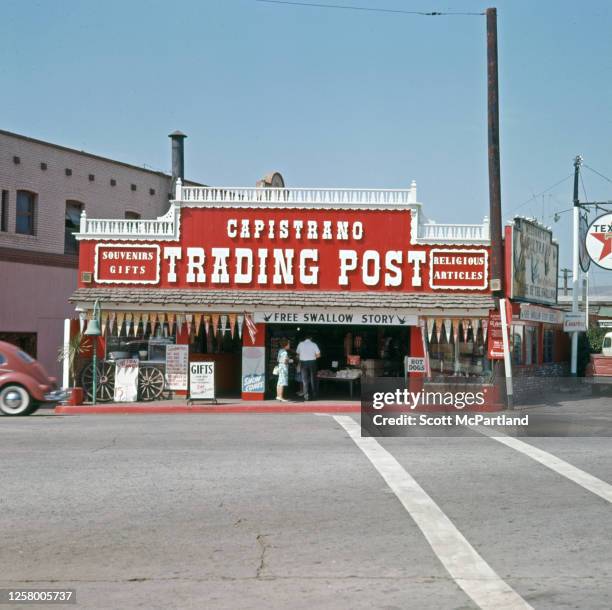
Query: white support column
x,y
586,299
65,362
83,224
575,285
412,192
178,190
506,330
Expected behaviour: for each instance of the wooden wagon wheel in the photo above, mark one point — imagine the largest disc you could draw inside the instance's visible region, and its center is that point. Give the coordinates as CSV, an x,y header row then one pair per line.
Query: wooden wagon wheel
x,y
150,382
105,383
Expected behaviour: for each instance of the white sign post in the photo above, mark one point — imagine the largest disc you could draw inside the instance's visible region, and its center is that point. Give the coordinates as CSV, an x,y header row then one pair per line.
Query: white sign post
x,y
202,381
507,362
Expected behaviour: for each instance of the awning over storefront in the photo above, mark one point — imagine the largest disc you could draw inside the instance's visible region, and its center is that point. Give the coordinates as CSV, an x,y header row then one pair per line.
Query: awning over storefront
x,y
251,300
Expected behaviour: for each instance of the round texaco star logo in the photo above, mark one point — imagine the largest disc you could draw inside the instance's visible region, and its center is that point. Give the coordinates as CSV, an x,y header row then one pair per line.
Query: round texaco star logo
x,y
598,241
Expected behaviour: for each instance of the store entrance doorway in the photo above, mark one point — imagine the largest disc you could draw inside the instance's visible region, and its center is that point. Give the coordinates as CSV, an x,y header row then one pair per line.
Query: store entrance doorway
x,y
348,354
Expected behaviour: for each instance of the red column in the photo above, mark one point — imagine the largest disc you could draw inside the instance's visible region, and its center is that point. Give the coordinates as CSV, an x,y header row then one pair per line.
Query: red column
x,y
182,338
417,351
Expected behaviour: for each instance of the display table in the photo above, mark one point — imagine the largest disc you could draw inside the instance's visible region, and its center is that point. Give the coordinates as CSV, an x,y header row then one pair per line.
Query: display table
x,y
351,381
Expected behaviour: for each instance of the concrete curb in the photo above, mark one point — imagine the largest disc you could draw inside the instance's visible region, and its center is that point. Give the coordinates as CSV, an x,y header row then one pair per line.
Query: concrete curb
x,y
169,409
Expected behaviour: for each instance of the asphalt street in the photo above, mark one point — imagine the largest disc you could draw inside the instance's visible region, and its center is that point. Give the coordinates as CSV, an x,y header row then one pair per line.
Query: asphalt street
x,y
295,511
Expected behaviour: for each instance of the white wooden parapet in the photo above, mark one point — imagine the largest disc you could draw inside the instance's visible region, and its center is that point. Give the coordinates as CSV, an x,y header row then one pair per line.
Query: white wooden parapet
x,y
167,227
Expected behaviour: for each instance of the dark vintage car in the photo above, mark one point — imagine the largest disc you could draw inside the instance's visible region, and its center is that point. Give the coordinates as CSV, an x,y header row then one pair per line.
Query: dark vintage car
x,y
24,383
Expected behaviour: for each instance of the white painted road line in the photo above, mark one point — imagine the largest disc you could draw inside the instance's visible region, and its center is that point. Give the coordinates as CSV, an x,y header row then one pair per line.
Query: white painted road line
x,y
467,568
582,478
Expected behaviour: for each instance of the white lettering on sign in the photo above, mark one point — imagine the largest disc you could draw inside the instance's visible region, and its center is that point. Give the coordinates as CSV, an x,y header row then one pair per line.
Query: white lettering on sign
x,y
172,253
127,263
416,258
282,265
327,317
315,229
458,269
220,274
195,262
244,266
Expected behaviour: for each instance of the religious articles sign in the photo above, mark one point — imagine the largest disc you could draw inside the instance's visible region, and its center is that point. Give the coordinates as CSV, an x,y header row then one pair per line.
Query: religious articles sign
x,y
455,269
126,380
177,366
202,381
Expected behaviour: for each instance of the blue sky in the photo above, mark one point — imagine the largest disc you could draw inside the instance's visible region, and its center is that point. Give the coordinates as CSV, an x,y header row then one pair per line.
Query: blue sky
x,y
326,97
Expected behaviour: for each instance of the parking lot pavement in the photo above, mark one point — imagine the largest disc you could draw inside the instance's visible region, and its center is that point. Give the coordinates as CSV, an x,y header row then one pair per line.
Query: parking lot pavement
x,y
287,511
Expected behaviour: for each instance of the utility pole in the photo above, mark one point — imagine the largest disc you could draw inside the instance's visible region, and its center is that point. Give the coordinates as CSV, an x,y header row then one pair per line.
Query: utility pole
x,y
497,263
575,263
497,259
565,273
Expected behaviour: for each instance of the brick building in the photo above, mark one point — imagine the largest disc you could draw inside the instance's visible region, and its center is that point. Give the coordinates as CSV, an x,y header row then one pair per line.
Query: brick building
x,y
44,188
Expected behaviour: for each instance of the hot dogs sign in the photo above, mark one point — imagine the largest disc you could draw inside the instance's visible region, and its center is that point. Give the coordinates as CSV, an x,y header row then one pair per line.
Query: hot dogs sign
x,y
292,249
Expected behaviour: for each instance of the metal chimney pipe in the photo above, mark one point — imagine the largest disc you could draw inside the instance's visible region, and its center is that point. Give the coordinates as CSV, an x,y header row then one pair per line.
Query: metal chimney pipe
x,y
178,156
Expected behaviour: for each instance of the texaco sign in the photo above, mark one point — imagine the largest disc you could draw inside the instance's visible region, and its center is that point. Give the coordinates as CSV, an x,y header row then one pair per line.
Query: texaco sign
x,y
599,241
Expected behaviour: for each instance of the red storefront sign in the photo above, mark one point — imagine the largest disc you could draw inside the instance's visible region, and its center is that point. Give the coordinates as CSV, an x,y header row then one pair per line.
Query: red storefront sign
x,y
456,269
291,249
127,264
495,338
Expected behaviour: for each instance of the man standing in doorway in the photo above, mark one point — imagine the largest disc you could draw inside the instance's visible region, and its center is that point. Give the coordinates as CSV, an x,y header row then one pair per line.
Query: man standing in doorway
x,y
308,352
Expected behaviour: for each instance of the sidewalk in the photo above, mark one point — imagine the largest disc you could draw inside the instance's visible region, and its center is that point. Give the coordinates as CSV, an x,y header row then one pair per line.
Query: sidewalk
x,y
224,405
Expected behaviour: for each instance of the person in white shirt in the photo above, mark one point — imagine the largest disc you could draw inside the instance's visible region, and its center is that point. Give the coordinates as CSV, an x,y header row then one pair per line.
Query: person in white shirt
x,y
308,352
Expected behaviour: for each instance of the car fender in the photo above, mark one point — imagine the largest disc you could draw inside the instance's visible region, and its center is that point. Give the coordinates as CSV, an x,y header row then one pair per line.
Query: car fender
x,y
29,383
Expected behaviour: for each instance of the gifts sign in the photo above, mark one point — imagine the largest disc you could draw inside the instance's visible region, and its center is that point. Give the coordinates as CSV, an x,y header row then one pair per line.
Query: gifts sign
x,y
202,381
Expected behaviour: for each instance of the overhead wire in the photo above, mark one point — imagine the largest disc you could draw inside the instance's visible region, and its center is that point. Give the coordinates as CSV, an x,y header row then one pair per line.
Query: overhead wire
x,y
598,173
550,188
349,7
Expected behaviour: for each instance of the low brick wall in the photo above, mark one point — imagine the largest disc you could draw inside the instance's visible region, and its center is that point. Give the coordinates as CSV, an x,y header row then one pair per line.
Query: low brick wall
x,y
531,382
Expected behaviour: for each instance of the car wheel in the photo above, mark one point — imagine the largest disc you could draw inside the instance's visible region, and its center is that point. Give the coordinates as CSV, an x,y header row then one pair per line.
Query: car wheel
x,y
15,400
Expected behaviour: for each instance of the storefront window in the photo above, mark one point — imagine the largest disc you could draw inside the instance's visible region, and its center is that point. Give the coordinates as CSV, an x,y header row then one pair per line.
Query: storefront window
x,y
215,342
531,345
517,344
549,338
146,345
458,352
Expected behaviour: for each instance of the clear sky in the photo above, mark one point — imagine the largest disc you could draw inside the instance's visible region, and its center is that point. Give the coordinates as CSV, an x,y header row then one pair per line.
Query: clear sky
x,y
327,97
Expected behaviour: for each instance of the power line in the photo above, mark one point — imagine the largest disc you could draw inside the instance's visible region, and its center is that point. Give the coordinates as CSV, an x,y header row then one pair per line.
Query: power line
x,y
368,9
550,188
586,197
598,173
597,207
